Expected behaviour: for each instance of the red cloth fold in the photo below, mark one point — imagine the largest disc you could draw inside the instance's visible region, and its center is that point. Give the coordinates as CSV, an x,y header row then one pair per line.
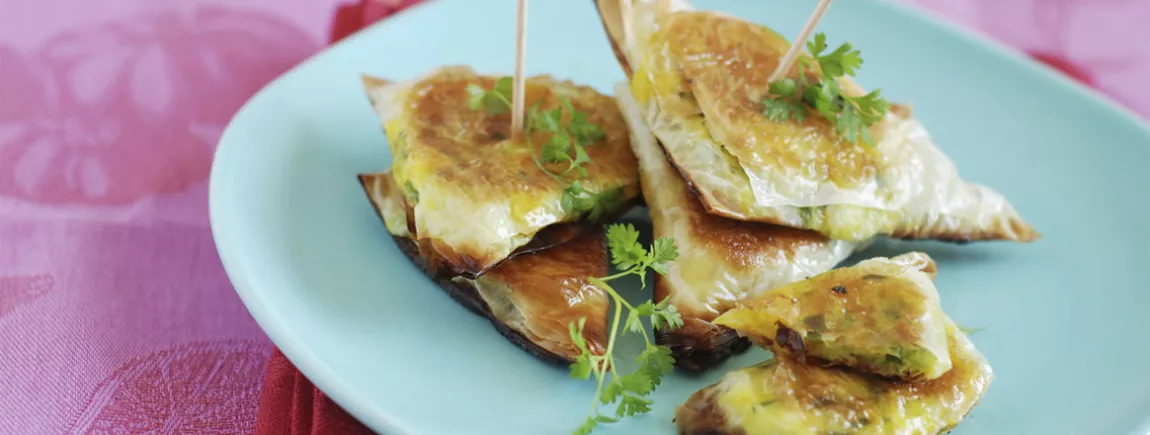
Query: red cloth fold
x,y
291,405
350,18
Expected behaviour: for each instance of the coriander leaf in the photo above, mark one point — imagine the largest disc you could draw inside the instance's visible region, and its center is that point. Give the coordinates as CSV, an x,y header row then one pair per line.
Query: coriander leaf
x,y
639,383
645,309
842,61
634,321
576,200
583,203
576,188
606,202
548,120
567,104
475,96
662,252
673,318
557,149
633,405
812,95
659,321
606,419
581,157
505,86
576,332
587,427
663,304
832,92
496,101
848,124
581,368
784,87
660,268
783,110
641,311
804,64
666,317
586,133
819,44
532,116
867,138
777,110
825,99
623,241
850,116
612,391
850,61
568,201
656,361
578,119
872,106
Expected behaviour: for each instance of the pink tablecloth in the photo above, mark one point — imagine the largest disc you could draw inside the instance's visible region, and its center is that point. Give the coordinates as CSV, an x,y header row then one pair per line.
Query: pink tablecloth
x,y
115,314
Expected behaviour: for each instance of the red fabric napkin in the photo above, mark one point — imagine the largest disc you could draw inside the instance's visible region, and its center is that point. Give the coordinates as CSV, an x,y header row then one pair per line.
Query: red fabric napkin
x,y
349,18
291,405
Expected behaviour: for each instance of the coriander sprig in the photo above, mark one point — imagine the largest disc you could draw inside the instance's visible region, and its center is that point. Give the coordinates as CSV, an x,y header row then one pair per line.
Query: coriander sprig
x,y
567,144
496,100
629,390
795,98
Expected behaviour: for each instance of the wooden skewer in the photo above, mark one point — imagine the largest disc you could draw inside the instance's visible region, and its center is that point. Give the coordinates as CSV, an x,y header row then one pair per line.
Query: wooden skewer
x,y
801,40
625,10
519,96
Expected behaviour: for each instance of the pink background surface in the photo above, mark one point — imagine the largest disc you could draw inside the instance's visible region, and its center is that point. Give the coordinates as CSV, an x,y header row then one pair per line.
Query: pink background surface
x,y
115,313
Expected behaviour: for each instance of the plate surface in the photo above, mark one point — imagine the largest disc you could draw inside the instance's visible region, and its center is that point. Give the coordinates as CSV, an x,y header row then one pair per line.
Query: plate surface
x,y
1066,319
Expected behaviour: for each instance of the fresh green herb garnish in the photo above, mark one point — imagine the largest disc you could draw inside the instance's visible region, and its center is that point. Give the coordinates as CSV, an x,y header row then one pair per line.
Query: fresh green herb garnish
x,y
630,390
596,205
795,98
781,109
567,145
496,101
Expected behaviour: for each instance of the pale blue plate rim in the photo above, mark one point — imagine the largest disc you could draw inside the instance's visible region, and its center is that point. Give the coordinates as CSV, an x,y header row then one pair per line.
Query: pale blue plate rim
x,y
381,420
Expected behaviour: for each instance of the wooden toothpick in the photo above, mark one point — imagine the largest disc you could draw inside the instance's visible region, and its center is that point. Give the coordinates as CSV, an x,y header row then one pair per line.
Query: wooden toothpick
x,y
626,11
519,93
801,40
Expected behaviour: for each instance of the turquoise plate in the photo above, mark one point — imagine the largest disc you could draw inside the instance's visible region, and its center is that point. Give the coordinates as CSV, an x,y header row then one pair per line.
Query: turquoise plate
x,y
1067,319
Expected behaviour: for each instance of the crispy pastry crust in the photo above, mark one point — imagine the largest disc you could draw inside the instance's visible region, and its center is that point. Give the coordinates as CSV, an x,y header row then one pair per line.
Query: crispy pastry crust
x,y
700,345
464,291
830,391
465,158
702,415
468,296
722,261
957,227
